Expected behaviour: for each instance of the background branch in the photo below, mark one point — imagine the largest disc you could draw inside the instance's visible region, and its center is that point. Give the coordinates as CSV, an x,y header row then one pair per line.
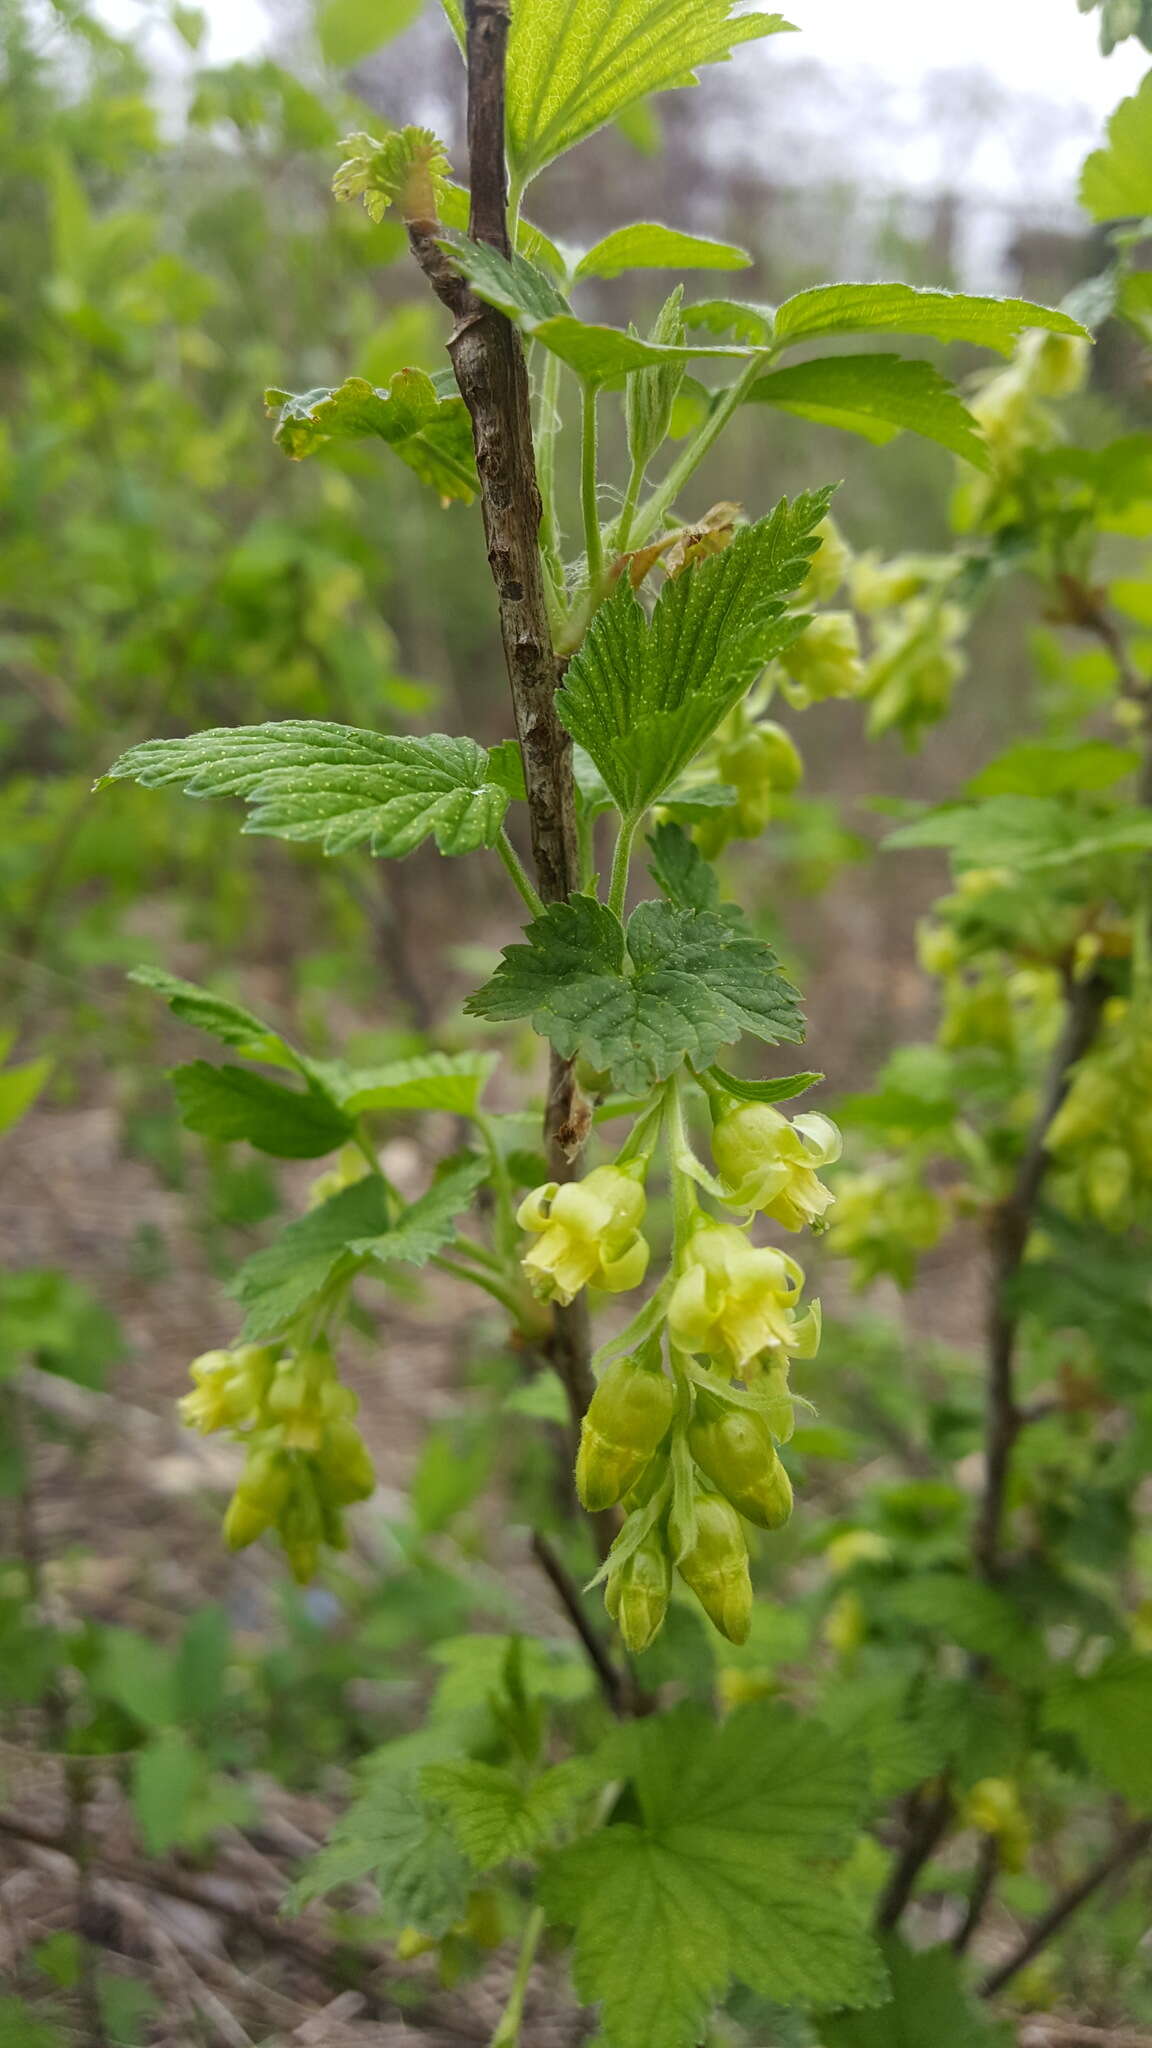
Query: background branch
x,y
1129,1845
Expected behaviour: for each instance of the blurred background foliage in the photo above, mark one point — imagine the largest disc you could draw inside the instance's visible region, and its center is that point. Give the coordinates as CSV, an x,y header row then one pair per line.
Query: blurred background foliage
x,y
169,248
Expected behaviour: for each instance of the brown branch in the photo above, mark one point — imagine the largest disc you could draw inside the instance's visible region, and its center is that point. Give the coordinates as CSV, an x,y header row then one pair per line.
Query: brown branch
x,y
983,1881
489,365
929,1812
1129,1845
615,1685
1009,1229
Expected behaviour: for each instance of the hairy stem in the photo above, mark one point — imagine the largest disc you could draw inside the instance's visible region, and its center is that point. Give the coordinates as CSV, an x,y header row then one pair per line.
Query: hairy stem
x,y
651,515
515,867
507,2034
589,505
621,860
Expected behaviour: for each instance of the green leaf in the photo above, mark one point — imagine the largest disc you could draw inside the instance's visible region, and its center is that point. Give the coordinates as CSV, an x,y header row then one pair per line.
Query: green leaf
x,y
643,695
930,2002
231,1104
1110,1713
647,245
406,1845
680,870
436,1080
532,299
1116,181
1030,834
980,1619
496,1814
19,1087
781,1088
572,69
138,1675
26,2026
306,779
230,1022
694,986
909,309
728,1873
878,397
355,1226
350,29
427,1223
168,1777
424,422
742,319
1054,768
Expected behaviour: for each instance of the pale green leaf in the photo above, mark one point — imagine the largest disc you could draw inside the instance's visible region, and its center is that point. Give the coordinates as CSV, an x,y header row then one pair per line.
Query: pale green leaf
x,y
682,985
424,420
1116,182
909,309
232,1105
19,1087
350,29
167,1778
308,780
453,1082
1029,833
643,695
738,317
1110,1714
230,1022
1054,768
572,68
876,396
648,245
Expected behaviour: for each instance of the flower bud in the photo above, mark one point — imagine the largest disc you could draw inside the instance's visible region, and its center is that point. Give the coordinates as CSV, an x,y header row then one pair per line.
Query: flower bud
x,y
588,1233
637,1593
347,1469
714,1565
627,1419
734,1449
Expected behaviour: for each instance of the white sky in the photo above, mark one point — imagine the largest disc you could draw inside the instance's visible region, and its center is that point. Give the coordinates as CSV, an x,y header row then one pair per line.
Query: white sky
x,y
1037,46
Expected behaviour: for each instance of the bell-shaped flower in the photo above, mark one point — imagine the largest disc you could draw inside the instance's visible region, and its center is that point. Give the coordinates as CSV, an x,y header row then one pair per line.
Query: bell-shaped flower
x,y
768,1163
733,1300
587,1232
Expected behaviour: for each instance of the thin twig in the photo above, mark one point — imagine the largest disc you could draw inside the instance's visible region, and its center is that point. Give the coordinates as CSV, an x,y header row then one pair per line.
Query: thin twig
x,y
983,1882
929,1812
1046,2030
1009,1229
613,1683
1129,1845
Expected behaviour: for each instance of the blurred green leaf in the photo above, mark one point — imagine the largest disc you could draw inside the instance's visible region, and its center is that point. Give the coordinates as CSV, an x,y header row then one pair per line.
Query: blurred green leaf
x,y
878,397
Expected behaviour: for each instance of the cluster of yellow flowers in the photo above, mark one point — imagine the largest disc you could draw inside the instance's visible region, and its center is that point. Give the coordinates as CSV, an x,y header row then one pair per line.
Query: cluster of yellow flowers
x,y
690,1448
306,1459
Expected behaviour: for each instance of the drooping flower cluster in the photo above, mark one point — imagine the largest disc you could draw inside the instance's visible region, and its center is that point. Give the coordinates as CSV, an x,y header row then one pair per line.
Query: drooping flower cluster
x,y
1101,1136
306,1459
688,1442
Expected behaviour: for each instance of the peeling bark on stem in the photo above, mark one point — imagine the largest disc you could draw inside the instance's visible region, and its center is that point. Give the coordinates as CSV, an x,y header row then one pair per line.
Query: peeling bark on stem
x,y
488,361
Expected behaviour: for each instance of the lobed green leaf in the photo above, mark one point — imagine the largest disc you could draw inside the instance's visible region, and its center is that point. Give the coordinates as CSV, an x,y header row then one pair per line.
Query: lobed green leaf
x,y
682,984
231,1104
648,245
1116,182
643,695
422,418
306,779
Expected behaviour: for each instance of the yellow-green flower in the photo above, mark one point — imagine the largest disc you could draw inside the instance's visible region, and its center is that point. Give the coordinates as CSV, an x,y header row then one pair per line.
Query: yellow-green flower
x,y
824,662
588,1234
768,1163
734,1300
